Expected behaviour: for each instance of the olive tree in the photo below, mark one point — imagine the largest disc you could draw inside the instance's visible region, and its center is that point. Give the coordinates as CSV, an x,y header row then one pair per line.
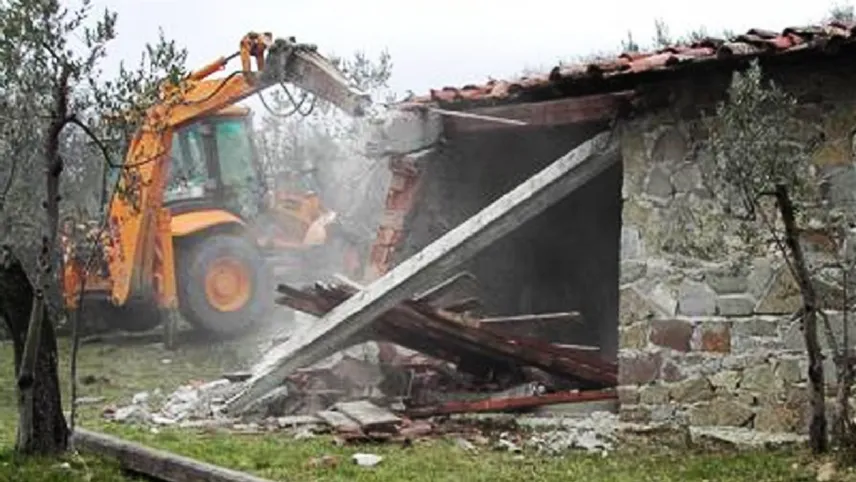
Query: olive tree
x,y
49,80
765,176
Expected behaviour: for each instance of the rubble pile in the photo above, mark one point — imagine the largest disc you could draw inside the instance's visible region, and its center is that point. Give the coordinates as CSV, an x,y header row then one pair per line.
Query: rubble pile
x,y
596,433
428,357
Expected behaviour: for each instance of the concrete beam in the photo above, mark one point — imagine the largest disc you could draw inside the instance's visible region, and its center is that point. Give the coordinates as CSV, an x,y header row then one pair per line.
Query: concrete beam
x,y
403,132
419,272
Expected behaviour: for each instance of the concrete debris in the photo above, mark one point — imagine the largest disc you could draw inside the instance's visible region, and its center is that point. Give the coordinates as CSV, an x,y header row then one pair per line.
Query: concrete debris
x,y
368,415
507,445
339,421
595,433
826,472
745,438
296,421
367,460
188,402
131,414
141,398
304,433
444,363
466,445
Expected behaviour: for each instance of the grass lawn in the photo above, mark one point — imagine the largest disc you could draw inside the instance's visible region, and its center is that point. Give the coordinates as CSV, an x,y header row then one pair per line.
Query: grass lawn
x,y
118,372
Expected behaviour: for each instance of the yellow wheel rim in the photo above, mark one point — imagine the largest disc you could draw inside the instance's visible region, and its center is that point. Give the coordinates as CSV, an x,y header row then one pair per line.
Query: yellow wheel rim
x,y
227,284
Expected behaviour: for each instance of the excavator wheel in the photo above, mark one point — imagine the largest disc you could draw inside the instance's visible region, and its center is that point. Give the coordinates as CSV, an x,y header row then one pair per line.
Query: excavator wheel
x,y
100,315
224,285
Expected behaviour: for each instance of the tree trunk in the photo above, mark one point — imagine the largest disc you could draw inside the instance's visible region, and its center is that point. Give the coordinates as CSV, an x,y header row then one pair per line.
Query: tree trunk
x,y
46,433
843,429
818,439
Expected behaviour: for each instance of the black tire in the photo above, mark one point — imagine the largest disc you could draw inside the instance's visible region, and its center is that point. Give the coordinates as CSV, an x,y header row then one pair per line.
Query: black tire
x,y
194,263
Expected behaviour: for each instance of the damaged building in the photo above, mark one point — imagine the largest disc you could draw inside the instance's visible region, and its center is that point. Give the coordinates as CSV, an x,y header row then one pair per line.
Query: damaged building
x,y
643,252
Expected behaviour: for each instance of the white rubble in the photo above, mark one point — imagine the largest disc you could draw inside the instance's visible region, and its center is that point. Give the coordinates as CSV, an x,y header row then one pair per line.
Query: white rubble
x,y
596,432
185,404
740,437
132,414
367,460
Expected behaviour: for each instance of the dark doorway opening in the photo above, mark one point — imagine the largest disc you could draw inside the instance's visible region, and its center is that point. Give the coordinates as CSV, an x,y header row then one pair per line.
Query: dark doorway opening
x,y
565,259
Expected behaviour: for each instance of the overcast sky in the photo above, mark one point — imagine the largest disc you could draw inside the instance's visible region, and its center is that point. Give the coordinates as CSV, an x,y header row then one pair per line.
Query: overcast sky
x,y
440,42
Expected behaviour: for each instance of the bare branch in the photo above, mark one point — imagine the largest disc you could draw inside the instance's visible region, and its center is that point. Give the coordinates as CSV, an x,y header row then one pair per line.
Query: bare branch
x,y
73,119
10,180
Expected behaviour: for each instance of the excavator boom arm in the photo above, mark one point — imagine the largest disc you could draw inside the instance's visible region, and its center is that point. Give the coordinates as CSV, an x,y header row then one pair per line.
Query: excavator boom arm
x,y
138,238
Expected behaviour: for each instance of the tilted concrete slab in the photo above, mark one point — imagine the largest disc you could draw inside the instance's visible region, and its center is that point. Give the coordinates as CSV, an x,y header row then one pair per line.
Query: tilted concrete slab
x,y
416,274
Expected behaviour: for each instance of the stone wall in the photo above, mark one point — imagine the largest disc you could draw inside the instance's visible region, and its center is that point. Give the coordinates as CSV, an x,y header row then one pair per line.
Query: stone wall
x,y
706,331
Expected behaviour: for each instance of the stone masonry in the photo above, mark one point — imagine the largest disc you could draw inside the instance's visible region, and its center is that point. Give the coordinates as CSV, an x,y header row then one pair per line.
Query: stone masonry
x,y
706,331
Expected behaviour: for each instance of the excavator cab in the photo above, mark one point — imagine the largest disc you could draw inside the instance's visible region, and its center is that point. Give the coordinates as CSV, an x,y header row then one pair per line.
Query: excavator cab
x,y
214,165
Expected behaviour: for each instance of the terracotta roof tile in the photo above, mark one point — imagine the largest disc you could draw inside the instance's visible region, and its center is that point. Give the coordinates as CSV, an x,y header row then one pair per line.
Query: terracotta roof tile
x,y
754,42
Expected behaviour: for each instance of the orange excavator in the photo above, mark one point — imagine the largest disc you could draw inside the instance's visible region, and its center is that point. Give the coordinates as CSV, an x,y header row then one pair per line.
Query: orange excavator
x,y
189,223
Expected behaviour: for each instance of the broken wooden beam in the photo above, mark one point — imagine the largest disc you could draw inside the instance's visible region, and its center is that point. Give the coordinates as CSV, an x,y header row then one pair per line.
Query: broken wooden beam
x,y
420,327
565,111
156,464
493,404
464,305
531,326
462,285
564,316
415,274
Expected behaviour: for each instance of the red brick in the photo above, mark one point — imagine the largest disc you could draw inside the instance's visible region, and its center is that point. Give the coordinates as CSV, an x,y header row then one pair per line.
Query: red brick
x,y
674,334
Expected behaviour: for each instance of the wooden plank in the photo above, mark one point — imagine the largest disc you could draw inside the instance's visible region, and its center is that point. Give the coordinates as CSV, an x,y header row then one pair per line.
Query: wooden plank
x,y
421,328
367,414
565,316
513,403
154,463
577,347
462,285
543,326
570,110
466,304
415,274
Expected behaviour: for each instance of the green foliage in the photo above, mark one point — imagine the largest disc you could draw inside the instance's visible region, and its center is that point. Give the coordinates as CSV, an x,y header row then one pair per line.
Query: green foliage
x,y
38,67
40,39
118,104
117,107
842,13
752,139
661,38
366,73
629,45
